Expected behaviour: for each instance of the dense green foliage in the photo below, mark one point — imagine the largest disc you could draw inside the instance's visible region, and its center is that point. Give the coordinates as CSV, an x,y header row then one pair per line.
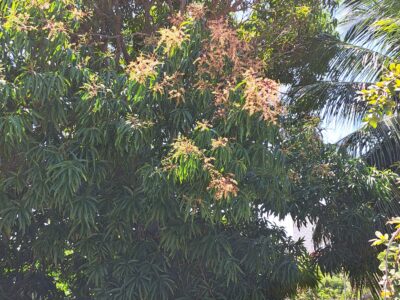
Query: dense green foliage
x,y
142,168
342,198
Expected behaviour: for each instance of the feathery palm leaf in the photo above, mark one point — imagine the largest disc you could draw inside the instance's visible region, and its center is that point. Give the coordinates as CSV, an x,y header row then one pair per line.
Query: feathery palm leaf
x,y
330,98
369,21
371,41
379,146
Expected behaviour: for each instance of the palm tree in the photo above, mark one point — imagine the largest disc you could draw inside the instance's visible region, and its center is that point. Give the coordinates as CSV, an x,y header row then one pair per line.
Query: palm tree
x,y
371,41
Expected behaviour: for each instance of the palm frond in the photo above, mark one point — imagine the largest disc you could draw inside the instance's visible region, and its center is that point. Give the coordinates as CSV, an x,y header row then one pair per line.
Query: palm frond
x,y
379,146
330,99
359,58
353,67
362,15
353,62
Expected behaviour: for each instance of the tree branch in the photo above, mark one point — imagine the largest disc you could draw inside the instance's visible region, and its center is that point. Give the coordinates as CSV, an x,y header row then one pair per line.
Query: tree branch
x,y
118,33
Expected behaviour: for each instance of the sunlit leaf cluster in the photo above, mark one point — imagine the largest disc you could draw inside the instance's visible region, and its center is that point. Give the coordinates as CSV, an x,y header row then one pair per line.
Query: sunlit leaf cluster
x,y
381,97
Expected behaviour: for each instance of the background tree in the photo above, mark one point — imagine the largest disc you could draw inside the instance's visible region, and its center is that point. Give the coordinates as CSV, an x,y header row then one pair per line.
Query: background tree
x,y
362,82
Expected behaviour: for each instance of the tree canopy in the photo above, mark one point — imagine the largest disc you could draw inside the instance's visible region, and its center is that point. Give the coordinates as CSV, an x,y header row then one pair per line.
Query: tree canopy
x,y
142,145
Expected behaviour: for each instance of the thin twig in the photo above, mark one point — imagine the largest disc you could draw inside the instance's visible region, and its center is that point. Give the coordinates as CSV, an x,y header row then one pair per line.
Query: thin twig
x,y
394,235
